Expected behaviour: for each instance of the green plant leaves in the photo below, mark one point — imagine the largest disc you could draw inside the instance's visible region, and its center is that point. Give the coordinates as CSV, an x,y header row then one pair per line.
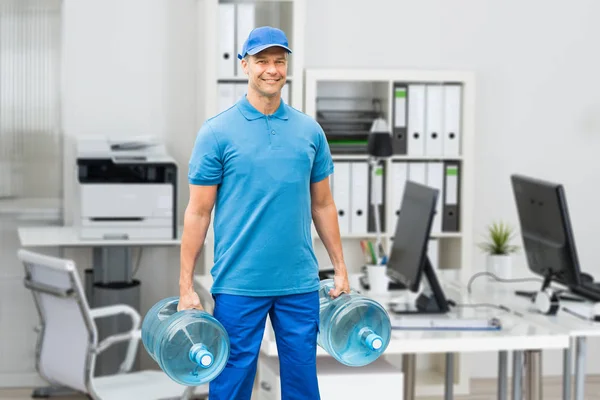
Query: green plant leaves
x,y
498,239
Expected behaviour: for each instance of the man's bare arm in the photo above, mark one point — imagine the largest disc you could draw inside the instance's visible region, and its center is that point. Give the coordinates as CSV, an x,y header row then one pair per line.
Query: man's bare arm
x,y
195,226
325,217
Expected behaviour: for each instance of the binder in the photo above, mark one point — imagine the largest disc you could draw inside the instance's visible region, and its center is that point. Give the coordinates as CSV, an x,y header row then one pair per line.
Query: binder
x,y
341,194
452,119
245,24
417,172
359,196
435,179
399,115
379,191
450,221
240,90
285,93
398,177
433,249
416,120
226,45
433,125
225,96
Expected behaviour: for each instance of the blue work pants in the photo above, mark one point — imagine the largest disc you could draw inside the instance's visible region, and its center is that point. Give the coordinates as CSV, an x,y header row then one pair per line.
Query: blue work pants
x,y
295,320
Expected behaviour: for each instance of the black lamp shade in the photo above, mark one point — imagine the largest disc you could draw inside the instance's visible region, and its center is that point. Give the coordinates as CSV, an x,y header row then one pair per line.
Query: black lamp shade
x,y
380,144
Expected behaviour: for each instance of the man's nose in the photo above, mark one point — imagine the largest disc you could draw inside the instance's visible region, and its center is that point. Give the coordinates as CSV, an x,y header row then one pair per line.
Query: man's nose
x,y
271,68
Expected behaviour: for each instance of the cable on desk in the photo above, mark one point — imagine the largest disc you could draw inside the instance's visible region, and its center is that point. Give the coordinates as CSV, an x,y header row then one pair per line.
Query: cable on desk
x,y
475,305
499,279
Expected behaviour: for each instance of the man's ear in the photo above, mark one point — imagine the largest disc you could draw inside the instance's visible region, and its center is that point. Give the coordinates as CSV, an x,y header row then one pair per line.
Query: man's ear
x,y
244,63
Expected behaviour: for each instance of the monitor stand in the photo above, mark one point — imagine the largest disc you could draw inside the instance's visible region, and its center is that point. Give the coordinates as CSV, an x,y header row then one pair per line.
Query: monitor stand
x,y
431,300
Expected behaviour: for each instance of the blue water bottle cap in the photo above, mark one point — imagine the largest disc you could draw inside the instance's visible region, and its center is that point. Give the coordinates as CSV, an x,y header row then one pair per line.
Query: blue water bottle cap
x,y
201,356
374,341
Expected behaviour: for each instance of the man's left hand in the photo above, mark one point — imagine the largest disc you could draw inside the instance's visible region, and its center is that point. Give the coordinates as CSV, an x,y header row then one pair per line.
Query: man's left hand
x,y
341,285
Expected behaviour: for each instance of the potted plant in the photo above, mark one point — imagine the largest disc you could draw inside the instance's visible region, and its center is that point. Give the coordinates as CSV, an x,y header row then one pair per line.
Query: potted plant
x,y
498,247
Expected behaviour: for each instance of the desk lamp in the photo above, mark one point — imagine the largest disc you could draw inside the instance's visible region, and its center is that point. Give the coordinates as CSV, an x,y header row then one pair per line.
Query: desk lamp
x,y
379,147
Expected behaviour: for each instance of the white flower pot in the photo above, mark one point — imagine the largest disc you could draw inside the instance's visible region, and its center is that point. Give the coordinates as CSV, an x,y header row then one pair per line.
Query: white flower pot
x,y
499,265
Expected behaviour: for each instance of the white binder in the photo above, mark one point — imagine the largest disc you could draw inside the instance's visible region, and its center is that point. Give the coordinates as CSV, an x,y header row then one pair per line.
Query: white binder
x,y
433,124
285,93
433,249
359,197
341,194
227,55
417,172
240,90
245,24
435,179
416,120
452,120
226,96
399,174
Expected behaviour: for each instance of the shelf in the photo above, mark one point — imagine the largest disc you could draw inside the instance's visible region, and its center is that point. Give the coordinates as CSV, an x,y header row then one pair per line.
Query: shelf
x,y
425,158
242,79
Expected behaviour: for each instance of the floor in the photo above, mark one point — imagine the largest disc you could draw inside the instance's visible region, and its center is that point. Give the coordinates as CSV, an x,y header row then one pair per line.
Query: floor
x,y
483,389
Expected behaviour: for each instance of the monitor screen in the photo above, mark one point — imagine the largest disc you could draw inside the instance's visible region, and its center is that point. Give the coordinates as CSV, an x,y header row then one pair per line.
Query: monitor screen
x,y
409,250
546,229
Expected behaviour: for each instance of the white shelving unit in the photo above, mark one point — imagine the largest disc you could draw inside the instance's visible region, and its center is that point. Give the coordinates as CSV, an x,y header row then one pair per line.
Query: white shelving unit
x,y
332,89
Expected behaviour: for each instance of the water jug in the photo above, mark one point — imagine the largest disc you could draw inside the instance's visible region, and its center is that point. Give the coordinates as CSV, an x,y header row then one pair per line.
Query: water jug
x,y
190,346
354,329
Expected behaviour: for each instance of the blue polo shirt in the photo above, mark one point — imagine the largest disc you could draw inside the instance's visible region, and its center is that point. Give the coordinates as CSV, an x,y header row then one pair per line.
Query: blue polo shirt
x,y
264,165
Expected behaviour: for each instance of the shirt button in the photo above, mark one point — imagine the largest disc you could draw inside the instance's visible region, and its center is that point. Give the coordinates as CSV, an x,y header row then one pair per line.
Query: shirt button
x,y
273,132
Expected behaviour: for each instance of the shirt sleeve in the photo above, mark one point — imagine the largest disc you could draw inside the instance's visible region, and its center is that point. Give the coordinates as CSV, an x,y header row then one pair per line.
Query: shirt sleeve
x,y
206,165
323,163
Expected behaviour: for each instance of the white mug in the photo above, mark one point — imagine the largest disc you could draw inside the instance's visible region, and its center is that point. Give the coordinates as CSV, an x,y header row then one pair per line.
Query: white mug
x,y
378,279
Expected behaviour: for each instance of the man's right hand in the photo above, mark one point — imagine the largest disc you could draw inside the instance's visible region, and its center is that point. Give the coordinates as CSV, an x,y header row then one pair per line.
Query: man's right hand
x,y
188,301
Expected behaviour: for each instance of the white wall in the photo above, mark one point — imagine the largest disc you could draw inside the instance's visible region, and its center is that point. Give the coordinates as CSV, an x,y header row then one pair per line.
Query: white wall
x,y
538,106
130,69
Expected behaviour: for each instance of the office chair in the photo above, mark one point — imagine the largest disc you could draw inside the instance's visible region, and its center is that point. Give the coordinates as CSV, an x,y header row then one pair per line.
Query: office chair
x,y
68,339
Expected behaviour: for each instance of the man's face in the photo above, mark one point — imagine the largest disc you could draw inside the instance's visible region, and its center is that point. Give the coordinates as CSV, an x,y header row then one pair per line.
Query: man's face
x,y
267,70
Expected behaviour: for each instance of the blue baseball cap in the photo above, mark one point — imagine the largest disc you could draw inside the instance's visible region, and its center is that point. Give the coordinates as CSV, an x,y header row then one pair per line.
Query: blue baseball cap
x,y
262,38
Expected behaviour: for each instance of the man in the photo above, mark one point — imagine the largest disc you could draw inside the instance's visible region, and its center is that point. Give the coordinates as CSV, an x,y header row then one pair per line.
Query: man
x,y
266,166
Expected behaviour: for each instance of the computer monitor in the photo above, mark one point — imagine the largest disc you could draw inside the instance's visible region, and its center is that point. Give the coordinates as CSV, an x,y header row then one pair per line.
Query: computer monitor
x,y
408,261
546,230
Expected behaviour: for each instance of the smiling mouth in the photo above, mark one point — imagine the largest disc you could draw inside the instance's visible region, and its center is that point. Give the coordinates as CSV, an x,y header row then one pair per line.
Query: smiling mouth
x,y
271,80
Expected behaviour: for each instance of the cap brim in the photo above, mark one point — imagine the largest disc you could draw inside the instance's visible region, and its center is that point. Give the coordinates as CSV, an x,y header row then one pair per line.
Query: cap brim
x,y
266,46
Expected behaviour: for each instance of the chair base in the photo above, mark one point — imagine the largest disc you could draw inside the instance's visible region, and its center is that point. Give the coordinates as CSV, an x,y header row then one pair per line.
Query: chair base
x,y
53,391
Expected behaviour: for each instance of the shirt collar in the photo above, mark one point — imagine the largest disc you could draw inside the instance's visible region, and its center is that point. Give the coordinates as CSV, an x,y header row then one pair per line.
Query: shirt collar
x,y
250,113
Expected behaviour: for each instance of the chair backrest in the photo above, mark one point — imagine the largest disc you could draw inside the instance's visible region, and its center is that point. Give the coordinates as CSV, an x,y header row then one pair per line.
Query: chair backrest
x,y
64,349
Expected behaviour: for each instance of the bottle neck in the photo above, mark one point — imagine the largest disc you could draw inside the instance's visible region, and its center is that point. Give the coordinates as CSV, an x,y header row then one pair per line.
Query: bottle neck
x,y
200,355
370,339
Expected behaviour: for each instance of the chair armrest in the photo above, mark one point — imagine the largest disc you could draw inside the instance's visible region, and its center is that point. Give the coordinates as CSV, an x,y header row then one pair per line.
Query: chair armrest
x,y
133,335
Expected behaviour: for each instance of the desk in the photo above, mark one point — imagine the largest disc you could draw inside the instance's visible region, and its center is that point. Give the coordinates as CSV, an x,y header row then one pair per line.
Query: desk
x,y
518,334
577,328
111,280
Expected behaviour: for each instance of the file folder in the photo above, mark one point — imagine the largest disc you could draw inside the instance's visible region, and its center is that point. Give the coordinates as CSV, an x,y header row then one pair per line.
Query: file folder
x,y
433,250
359,196
378,191
245,24
398,177
433,125
341,194
226,38
416,120
240,90
435,179
399,112
450,221
452,120
285,93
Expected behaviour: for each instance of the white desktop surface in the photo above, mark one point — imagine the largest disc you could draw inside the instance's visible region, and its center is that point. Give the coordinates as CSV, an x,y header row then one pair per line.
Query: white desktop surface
x,y
517,333
67,236
503,294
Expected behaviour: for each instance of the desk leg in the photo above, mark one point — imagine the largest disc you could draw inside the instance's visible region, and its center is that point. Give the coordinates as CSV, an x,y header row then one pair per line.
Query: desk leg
x,y
409,366
580,368
567,373
517,375
533,374
502,374
449,387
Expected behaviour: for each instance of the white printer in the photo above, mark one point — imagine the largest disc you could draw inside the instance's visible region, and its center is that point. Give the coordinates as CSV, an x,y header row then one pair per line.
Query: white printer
x,y
127,189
